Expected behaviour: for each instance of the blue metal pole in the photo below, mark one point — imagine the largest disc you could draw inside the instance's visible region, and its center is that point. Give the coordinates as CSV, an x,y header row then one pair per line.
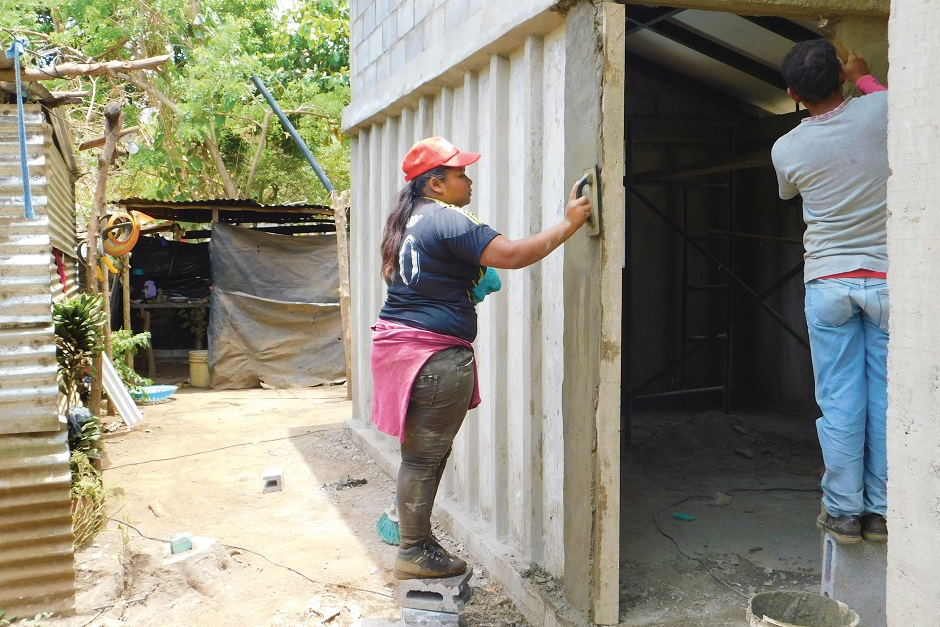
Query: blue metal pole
x,y
293,133
15,50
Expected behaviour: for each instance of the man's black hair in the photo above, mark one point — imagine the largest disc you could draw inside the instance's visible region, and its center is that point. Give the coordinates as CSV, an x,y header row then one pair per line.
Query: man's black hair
x,y
811,70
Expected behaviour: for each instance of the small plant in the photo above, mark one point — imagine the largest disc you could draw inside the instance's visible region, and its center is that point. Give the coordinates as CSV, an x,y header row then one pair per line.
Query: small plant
x,y
92,504
124,344
194,321
79,335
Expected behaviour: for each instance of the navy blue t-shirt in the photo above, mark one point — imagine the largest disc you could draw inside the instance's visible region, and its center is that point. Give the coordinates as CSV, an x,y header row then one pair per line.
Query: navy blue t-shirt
x,y
438,267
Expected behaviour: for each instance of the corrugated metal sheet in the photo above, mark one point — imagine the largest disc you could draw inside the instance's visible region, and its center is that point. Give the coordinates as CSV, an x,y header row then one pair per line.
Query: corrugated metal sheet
x,y
24,244
71,278
61,194
36,558
36,563
28,390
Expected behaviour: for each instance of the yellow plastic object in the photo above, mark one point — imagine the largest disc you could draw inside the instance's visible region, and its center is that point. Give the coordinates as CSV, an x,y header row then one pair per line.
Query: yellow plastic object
x,y
121,233
110,265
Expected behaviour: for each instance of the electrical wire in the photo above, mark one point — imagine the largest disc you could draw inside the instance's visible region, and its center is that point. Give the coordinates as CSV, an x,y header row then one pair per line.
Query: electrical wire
x,y
342,586
700,561
214,450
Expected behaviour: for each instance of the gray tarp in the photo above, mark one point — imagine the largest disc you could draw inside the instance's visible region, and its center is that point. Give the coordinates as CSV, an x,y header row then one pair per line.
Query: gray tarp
x,y
274,315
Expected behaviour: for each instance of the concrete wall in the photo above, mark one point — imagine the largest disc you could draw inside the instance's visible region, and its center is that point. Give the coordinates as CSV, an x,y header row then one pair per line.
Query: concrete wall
x,y
913,585
522,488
401,50
387,34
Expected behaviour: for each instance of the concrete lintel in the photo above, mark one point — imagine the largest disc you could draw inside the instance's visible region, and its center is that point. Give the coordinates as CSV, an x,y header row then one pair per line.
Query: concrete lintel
x,y
467,528
501,28
791,8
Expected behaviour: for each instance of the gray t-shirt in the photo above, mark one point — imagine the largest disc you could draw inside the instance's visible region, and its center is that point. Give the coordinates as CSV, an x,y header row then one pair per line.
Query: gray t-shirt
x,y
838,162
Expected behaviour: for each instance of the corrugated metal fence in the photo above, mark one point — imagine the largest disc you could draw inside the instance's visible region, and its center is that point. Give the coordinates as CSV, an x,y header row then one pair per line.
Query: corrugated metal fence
x,y
36,563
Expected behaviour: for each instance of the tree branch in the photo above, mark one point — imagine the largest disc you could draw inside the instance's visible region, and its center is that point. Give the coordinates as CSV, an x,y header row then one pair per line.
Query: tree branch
x,y
212,145
71,70
113,118
257,157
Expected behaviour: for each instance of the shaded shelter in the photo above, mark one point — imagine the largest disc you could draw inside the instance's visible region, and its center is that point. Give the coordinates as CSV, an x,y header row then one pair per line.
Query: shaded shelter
x,y
274,313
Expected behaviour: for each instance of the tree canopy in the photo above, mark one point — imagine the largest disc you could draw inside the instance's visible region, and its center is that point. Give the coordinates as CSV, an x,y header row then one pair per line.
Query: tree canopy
x,y
205,132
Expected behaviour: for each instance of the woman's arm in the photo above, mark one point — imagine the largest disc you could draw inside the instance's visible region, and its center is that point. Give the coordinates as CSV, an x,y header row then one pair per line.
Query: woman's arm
x,y
503,252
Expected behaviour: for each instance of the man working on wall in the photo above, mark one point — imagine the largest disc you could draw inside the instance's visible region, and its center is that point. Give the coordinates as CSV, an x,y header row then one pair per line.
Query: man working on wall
x,y
837,160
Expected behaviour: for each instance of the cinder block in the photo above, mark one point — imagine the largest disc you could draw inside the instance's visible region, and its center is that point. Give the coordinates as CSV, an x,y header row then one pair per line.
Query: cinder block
x,y
448,595
425,618
856,574
180,542
273,480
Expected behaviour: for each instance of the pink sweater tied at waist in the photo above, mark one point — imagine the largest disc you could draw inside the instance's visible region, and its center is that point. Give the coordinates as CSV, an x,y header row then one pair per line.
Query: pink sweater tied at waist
x,y
399,352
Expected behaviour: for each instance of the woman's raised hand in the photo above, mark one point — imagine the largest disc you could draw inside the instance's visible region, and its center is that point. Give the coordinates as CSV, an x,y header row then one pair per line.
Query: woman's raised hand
x,y
579,207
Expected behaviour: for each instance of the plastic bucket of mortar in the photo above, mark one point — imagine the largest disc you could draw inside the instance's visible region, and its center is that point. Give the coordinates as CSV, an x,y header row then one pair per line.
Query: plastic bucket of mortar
x,y
792,608
199,369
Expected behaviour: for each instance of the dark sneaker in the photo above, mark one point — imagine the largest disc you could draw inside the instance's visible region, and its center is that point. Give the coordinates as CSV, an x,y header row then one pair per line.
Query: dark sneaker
x,y
434,542
845,529
874,528
426,561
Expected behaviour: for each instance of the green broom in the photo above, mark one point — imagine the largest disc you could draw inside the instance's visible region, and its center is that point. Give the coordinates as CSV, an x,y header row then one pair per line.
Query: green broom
x,y
388,524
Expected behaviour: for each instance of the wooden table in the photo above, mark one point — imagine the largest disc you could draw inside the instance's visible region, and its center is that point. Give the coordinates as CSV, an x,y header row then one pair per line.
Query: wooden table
x,y
145,319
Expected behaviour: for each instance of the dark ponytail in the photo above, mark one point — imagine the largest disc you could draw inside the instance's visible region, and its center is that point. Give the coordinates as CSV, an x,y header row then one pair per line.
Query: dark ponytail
x,y
397,221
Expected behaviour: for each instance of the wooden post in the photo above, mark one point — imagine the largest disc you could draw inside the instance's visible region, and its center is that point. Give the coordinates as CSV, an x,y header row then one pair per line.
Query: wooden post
x,y
126,301
113,118
340,204
106,295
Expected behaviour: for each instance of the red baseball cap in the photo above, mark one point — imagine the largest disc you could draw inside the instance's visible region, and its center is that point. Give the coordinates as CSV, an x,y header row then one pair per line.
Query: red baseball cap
x,y
434,152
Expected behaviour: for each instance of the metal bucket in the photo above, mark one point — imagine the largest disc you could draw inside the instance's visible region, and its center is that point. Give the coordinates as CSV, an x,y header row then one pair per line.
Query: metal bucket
x,y
792,608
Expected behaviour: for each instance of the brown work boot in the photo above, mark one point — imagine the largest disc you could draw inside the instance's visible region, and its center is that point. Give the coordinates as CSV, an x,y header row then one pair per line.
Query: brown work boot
x,y
845,529
874,527
426,561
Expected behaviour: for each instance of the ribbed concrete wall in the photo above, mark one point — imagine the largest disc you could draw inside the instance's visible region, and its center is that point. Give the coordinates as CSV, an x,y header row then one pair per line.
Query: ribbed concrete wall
x,y
519,347
913,585
36,565
522,487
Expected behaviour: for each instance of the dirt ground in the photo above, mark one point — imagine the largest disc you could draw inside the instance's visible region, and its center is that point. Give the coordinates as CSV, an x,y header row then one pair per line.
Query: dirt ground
x,y
751,483
309,555
304,556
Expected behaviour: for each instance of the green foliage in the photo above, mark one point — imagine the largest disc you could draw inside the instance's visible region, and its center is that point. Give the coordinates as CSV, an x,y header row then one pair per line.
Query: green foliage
x,y
126,344
302,56
193,320
79,330
85,437
35,621
92,504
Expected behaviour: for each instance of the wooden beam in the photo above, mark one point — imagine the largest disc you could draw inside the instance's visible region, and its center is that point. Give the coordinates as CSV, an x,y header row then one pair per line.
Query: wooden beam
x,y
341,216
71,70
99,141
293,229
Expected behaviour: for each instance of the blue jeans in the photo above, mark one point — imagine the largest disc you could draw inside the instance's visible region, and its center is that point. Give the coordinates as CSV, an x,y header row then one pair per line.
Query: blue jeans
x,y
848,335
